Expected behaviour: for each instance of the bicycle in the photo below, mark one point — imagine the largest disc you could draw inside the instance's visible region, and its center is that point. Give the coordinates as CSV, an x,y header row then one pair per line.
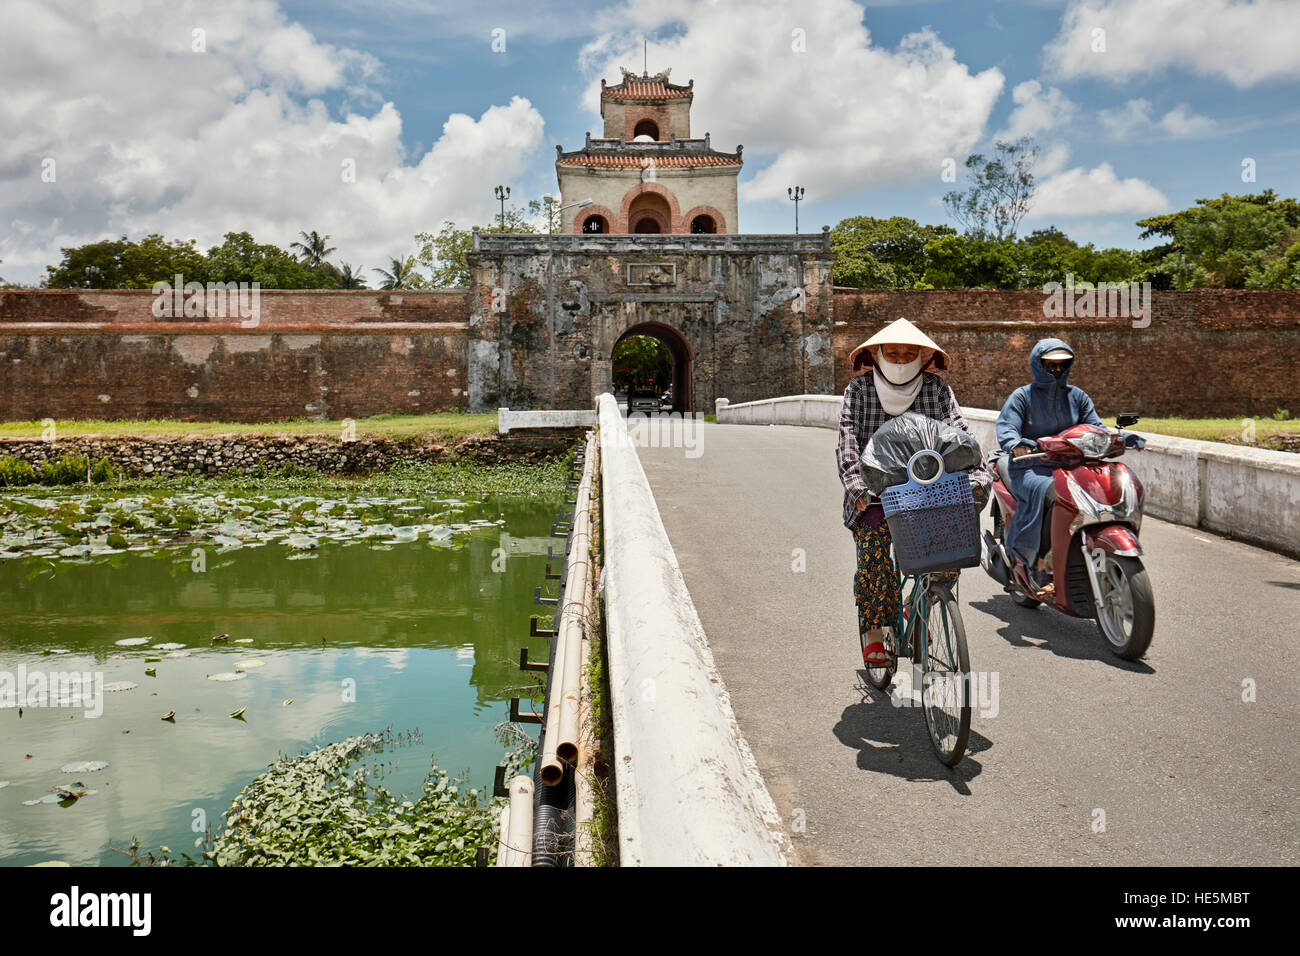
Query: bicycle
x,y
929,607
929,630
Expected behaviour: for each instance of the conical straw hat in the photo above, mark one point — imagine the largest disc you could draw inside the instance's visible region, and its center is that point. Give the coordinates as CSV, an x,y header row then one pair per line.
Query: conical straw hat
x,y
902,332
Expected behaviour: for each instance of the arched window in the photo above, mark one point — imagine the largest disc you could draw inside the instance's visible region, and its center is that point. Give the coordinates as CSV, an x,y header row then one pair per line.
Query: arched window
x,y
594,224
646,127
703,224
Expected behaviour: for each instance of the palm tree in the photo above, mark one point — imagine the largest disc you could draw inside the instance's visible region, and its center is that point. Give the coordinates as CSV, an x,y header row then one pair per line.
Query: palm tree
x,y
312,249
350,278
400,273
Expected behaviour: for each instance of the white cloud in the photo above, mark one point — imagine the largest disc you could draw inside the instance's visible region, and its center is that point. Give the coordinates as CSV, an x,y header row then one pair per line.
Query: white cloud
x,y
1137,116
1095,192
1182,122
1037,109
1244,41
843,116
151,137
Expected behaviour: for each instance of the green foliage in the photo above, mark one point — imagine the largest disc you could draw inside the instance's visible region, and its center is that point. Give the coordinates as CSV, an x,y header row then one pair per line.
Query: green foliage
x,y
646,358
1001,192
316,810
401,274
123,264
1231,242
15,472
68,469
1281,414
882,253
240,258
444,253
312,249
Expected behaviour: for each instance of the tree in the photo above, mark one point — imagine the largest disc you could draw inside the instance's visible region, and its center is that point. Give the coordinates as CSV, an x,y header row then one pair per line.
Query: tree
x,y
312,250
882,253
240,258
124,264
645,359
1002,191
350,278
444,253
401,274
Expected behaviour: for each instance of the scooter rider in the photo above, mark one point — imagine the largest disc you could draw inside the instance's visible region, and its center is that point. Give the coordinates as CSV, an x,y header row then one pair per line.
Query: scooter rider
x,y
1046,406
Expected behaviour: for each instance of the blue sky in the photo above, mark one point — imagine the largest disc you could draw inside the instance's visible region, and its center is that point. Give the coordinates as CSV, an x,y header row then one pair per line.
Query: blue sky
x,y
860,104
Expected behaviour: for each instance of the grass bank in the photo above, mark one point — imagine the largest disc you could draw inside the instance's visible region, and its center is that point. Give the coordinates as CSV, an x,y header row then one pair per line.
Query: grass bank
x,y
443,424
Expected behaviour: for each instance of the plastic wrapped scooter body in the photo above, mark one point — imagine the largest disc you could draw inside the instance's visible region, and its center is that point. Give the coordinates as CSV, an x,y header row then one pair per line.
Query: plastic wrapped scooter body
x,y
884,461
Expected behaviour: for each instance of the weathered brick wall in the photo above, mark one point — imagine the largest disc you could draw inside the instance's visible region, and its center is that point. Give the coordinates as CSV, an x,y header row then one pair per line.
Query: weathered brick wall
x,y
1205,353
104,354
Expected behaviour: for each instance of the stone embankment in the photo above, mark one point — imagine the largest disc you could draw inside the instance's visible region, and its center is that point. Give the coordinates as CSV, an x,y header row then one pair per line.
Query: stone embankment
x,y
216,454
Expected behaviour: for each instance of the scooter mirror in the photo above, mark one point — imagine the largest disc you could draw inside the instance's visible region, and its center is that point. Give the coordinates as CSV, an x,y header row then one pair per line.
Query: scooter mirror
x,y
1126,419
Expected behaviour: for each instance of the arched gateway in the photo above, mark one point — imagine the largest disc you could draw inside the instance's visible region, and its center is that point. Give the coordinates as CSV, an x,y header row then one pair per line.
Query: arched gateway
x,y
655,252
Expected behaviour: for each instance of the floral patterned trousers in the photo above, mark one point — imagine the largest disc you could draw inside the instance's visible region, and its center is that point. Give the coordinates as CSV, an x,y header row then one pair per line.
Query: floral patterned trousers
x,y
875,584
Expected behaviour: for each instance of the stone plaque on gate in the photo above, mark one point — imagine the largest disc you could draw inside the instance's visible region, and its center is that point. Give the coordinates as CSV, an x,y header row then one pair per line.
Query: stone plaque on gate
x,y
652,273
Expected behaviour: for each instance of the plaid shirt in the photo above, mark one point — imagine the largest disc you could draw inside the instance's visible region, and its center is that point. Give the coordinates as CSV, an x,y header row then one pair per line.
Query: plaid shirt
x,y
862,414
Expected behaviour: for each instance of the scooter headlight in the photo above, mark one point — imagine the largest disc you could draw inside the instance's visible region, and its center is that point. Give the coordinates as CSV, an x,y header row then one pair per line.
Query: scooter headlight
x,y
1091,444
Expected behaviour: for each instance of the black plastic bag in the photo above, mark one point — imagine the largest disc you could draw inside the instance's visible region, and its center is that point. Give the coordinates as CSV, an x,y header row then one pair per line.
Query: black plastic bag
x,y
884,461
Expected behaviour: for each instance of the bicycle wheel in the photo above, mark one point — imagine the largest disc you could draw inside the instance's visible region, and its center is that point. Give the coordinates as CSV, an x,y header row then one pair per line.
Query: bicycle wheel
x,y
946,681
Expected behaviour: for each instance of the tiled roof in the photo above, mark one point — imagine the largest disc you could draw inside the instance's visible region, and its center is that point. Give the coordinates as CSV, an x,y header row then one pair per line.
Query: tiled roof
x,y
657,87
636,161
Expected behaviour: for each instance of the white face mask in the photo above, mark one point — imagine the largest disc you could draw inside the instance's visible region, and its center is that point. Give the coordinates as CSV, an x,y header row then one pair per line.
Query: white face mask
x,y
899,374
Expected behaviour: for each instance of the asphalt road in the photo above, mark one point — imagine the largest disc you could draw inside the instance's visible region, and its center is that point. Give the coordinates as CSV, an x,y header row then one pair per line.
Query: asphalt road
x,y
1088,759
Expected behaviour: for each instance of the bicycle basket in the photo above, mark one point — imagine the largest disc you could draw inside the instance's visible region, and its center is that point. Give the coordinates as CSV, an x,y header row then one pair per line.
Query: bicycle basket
x,y
932,520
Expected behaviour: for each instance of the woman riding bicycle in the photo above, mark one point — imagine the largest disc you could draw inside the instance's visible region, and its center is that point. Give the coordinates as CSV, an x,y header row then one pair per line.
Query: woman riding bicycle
x,y
898,357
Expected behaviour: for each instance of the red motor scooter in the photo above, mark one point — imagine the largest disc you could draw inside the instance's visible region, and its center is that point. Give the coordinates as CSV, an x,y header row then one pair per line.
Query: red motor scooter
x,y
1095,558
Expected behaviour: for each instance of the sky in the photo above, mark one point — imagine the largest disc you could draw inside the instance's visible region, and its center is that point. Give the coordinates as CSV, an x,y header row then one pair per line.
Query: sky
x,y
372,121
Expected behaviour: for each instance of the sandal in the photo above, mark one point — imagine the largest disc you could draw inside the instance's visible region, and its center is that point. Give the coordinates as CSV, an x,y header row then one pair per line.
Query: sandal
x,y
875,655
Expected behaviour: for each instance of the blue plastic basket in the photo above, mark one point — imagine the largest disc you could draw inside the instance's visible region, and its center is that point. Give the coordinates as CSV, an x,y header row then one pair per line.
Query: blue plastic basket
x,y
933,521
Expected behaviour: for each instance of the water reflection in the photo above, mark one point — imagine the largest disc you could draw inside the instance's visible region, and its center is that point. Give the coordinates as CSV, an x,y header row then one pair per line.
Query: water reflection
x,y
418,633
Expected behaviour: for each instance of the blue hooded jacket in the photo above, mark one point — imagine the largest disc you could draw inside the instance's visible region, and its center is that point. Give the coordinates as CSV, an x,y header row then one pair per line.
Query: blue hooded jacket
x,y
1045,406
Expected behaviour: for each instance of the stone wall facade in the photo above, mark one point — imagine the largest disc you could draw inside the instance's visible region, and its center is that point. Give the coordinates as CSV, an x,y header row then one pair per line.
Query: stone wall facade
x,y
746,316
220,454
726,305
1204,353
105,354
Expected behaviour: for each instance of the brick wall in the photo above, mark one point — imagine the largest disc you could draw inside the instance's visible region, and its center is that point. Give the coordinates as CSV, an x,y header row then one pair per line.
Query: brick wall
x,y
1205,353
104,354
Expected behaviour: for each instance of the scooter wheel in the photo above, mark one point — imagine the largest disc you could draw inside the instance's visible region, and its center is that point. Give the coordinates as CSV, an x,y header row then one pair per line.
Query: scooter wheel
x,y
1128,616
1024,600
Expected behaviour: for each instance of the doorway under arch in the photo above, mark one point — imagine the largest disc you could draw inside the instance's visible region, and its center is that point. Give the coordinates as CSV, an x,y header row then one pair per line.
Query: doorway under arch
x,y
681,355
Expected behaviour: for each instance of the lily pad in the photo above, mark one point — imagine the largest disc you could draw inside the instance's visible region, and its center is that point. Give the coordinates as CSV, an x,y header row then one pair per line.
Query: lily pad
x,y
168,647
248,664
3,784
133,641
84,766
244,640
226,676
179,654
120,685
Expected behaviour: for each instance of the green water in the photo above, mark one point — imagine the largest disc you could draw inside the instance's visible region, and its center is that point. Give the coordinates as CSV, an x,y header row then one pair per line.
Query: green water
x,y
414,629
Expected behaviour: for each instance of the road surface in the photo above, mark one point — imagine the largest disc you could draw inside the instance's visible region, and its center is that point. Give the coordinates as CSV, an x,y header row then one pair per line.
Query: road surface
x,y
1088,759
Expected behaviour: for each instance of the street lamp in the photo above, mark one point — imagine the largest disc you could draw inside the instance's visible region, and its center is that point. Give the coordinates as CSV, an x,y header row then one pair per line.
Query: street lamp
x,y
550,225
795,193
502,193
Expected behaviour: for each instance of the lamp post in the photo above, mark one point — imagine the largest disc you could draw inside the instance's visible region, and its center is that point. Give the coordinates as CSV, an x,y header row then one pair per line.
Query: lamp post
x,y
502,193
550,226
795,193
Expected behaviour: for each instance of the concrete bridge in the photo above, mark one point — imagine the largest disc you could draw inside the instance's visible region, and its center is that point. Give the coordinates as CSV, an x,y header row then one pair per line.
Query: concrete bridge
x,y
1187,757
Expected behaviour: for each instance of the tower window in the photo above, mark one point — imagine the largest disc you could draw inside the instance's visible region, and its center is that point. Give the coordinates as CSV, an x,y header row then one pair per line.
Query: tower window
x,y
594,224
646,128
703,224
